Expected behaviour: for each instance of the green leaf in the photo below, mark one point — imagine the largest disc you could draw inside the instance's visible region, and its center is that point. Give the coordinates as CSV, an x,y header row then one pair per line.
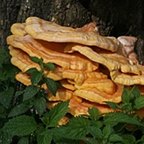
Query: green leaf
x,y
69,132
141,140
36,76
19,109
126,97
95,132
128,107
45,137
119,117
19,93
8,73
129,139
98,123
66,141
130,94
88,140
139,102
6,97
30,92
37,60
52,85
31,71
135,92
3,113
112,105
77,128
4,56
7,70
5,138
107,130
40,105
20,126
49,66
76,133
94,113
54,115
79,122
115,138
23,140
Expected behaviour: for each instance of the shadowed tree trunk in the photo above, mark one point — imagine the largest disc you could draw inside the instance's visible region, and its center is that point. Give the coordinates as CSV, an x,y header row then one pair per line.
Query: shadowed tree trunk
x,y
76,13
64,12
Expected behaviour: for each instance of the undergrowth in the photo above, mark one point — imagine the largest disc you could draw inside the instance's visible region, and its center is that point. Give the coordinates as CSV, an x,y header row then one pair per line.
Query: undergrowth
x,y
25,119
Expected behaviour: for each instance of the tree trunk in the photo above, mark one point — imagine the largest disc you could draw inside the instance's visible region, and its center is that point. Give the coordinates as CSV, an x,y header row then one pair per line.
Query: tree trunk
x,y
64,12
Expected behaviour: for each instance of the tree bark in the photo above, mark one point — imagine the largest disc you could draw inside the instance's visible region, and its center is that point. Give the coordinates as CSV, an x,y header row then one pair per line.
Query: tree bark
x,y
64,12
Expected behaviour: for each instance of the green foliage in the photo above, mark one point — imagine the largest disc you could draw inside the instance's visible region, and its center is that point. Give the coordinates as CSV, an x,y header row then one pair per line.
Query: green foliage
x,y
36,76
7,71
40,105
6,97
30,92
49,66
94,113
19,109
20,126
51,118
44,137
23,140
120,117
139,103
25,119
52,85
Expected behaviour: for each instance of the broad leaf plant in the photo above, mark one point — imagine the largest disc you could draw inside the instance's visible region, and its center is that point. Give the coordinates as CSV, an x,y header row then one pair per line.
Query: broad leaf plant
x,y
25,119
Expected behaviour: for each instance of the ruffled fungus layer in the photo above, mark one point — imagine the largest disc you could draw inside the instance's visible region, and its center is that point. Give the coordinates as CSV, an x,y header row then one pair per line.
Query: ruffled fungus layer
x,y
91,68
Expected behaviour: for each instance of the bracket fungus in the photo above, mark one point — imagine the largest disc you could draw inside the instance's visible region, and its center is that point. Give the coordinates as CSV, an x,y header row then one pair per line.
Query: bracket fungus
x,y
92,68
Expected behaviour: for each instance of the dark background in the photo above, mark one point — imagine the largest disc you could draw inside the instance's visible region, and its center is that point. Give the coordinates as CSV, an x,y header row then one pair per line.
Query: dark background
x,y
64,12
